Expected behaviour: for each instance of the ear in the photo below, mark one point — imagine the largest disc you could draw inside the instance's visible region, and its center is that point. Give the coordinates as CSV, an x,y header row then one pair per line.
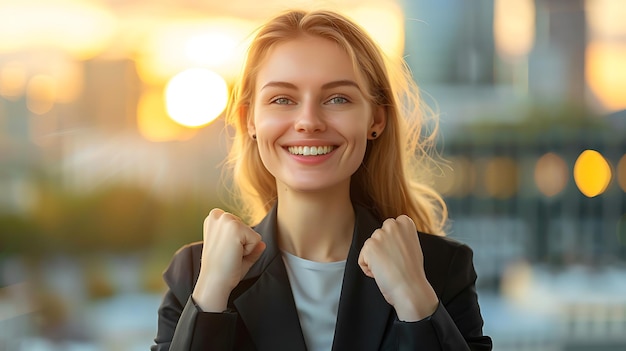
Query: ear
x,y
245,113
379,121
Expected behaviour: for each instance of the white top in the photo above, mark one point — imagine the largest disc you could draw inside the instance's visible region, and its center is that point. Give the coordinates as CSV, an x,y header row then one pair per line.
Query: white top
x,y
316,288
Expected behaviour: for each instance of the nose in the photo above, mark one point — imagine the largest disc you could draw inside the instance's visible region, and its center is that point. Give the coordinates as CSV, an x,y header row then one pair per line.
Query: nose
x,y
309,119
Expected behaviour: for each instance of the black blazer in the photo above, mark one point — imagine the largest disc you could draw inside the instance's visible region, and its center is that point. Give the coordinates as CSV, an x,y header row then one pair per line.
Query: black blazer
x,y
262,315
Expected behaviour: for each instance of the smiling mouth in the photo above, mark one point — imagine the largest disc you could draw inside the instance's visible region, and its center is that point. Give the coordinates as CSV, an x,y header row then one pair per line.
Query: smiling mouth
x,y
310,150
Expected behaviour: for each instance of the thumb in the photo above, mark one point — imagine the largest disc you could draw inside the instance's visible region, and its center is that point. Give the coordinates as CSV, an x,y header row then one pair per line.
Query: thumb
x,y
250,258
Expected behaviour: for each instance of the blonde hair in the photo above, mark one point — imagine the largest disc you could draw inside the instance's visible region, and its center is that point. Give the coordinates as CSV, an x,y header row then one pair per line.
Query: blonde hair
x,y
387,180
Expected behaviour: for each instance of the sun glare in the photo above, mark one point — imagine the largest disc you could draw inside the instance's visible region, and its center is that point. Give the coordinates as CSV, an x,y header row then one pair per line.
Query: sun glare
x,y
196,97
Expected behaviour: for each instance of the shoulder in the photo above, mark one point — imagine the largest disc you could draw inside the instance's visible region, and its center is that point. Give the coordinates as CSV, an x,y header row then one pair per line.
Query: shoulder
x,y
182,273
447,261
442,245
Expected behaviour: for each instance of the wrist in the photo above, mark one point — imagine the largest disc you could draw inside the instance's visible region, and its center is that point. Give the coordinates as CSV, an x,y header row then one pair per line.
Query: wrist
x,y
210,297
415,306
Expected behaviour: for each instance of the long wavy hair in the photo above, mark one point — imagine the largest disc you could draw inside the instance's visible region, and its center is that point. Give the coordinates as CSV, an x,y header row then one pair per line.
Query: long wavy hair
x,y
389,180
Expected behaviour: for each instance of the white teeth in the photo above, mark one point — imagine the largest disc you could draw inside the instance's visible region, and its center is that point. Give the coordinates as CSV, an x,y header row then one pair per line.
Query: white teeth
x,y
310,150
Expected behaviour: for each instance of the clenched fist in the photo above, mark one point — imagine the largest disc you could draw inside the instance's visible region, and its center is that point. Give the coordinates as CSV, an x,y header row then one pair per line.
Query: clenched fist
x,y
393,257
230,249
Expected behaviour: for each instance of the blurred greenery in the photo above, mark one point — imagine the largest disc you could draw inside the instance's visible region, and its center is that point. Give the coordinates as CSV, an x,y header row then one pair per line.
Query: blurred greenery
x,y
117,219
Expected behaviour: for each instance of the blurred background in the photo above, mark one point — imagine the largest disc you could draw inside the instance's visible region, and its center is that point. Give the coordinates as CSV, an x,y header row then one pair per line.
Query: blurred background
x,y
112,142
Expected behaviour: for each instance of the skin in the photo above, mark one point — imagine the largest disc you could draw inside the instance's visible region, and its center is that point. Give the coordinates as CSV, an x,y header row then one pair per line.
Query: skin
x,y
308,94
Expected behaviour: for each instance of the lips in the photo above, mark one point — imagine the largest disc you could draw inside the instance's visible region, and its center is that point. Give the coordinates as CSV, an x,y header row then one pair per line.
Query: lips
x,y
310,150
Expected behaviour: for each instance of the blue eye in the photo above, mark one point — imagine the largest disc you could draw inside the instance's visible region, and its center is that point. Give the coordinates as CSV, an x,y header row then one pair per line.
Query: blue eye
x,y
338,100
281,101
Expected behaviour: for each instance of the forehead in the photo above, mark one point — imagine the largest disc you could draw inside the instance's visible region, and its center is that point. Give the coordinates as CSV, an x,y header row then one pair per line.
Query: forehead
x,y
306,60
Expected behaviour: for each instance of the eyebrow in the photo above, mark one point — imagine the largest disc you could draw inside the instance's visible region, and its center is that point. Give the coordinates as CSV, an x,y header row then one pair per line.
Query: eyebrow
x,y
329,85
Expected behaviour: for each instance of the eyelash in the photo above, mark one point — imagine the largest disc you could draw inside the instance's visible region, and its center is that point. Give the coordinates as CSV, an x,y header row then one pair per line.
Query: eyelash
x,y
345,99
279,98
286,100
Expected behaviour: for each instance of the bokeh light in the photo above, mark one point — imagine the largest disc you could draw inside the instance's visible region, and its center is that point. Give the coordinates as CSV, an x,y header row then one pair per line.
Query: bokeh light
x,y
605,54
551,174
196,97
458,177
500,177
605,71
606,17
517,281
153,122
592,173
41,94
514,27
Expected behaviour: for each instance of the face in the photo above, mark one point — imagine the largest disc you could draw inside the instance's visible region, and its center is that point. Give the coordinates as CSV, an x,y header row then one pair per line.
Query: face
x,y
310,115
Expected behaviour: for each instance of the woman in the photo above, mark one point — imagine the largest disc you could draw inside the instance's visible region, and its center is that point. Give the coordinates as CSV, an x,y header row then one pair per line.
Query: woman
x,y
320,154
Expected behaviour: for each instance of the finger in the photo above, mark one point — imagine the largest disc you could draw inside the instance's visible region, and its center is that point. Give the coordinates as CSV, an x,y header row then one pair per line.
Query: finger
x,y
256,252
250,239
362,261
388,224
213,215
251,258
406,222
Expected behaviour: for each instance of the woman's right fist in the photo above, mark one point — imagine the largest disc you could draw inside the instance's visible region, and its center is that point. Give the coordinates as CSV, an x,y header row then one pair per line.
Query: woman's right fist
x,y
230,249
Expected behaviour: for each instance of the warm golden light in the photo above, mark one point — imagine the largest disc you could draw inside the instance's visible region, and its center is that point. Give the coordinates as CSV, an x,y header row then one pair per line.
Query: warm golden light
x,y
154,124
212,49
514,27
501,177
79,27
592,173
605,18
517,281
218,44
458,177
605,55
196,97
385,23
551,174
605,71
12,79
621,173
41,94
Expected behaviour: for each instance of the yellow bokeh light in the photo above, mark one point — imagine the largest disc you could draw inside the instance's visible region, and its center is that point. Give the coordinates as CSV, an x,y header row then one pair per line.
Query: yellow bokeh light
x,y
196,97
621,173
458,178
517,281
81,28
514,27
592,173
605,18
605,71
551,174
41,94
500,177
154,124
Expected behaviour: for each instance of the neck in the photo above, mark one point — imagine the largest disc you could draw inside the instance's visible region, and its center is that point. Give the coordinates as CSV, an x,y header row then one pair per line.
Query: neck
x,y
316,226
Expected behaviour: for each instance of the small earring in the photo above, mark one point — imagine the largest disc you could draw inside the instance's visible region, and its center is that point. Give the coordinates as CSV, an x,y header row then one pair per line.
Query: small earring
x,y
374,135
254,136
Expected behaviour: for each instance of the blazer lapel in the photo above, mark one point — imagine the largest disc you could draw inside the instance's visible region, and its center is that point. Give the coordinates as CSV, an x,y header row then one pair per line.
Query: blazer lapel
x,y
363,311
264,299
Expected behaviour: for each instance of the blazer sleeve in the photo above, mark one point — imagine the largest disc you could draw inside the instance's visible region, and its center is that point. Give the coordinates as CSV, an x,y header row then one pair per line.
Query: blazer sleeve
x,y
182,326
457,322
